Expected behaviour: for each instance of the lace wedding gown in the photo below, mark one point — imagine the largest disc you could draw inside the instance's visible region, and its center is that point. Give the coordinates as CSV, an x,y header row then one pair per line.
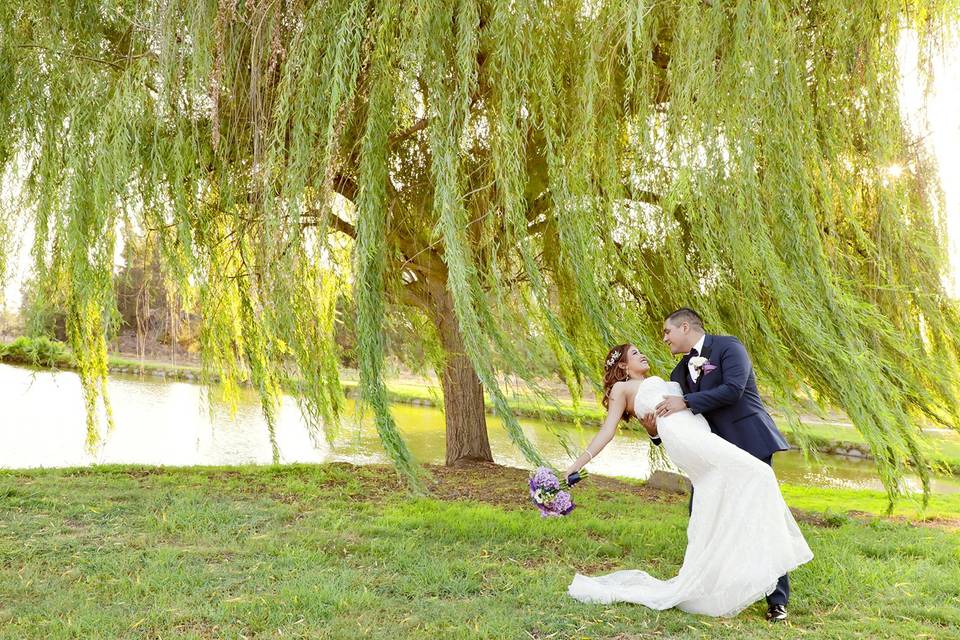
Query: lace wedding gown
x,y
741,536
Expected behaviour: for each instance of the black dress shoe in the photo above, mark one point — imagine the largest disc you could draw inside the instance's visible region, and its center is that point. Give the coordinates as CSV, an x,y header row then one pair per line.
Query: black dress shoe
x,y
777,613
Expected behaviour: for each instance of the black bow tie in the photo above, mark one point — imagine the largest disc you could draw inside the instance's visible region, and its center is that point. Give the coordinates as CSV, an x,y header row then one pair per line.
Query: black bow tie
x,y
693,353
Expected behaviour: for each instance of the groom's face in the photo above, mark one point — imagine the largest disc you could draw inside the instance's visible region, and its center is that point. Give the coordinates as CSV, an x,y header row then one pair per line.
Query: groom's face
x,y
677,336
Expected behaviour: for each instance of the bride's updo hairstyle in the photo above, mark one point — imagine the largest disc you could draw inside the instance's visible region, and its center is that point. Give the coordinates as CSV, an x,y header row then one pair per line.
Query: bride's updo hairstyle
x,y
612,373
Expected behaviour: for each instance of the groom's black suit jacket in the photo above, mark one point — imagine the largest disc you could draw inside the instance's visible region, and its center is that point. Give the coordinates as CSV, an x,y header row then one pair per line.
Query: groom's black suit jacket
x,y
727,397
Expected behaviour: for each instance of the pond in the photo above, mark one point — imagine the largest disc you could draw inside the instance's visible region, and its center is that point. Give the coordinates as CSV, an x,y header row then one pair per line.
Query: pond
x,y
171,423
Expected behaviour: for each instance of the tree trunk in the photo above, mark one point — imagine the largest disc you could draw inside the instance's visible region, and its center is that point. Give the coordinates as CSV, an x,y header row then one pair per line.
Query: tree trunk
x,y
464,413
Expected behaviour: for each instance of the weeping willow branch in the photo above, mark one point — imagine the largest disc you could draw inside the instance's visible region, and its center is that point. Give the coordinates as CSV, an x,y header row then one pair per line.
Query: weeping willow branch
x,y
563,174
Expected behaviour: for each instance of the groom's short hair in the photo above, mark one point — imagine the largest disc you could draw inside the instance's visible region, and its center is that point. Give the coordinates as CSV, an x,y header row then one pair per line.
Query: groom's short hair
x,y
688,315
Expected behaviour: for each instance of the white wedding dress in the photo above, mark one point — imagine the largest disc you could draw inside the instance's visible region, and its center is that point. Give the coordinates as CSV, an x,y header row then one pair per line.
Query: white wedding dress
x,y
741,536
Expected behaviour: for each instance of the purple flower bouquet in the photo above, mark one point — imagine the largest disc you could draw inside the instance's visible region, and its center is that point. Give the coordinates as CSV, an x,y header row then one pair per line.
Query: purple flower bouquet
x,y
548,494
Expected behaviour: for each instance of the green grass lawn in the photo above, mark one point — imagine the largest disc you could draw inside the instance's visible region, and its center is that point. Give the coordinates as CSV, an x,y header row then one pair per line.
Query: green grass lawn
x,y
335,551
834,501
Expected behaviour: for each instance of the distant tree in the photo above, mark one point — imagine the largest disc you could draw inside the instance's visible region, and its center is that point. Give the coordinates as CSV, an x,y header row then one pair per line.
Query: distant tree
x,y
147,302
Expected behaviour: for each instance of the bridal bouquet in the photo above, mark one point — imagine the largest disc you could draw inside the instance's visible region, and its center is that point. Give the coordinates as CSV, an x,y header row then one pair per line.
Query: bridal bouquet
x,y
548,492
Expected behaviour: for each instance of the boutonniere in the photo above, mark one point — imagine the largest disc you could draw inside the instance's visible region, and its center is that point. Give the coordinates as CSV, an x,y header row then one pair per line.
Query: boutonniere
x,y
702,365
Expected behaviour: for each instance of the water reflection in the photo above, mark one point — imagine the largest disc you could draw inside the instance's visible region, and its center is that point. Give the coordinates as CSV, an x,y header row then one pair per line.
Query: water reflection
x,y
171,423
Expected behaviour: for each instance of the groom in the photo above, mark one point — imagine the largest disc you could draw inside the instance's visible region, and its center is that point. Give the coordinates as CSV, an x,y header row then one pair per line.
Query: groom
x,y
717,381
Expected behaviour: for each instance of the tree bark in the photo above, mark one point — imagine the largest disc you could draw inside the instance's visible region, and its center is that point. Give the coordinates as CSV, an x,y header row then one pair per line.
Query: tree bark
x,y
464,414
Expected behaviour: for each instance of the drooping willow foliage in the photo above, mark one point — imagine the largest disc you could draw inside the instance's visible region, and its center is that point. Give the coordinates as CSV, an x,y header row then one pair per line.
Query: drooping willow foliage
x,y
557,173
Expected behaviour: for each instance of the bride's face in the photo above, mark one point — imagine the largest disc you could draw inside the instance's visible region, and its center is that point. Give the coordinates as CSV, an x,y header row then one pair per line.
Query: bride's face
x,y
635,363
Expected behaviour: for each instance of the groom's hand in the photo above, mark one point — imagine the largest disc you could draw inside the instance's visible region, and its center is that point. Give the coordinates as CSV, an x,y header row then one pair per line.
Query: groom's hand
x,y
649,422
669,406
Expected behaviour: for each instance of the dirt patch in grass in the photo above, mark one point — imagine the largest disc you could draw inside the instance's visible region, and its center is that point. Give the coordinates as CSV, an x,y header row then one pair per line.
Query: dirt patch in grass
x,y
944,524
815,519
197,628
507,487
484,482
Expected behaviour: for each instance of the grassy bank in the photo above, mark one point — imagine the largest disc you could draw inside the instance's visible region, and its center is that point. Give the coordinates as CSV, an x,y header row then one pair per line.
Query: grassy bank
x,y
334,551
943,509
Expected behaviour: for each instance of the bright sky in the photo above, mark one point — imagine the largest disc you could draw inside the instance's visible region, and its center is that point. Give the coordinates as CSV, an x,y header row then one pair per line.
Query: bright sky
x,y
940,118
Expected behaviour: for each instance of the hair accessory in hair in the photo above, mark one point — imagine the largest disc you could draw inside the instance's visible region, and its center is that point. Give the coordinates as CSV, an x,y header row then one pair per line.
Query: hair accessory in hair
x,y
613,358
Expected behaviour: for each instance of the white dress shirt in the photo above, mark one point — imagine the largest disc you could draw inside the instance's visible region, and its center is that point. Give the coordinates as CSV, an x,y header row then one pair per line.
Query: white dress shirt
x,y
694,372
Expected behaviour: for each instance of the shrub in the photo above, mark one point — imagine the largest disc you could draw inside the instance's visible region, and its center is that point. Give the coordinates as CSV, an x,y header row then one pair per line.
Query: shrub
x,y
37,352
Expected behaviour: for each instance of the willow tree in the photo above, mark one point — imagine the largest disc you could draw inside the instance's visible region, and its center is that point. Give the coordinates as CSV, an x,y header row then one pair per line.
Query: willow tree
x,y
501,175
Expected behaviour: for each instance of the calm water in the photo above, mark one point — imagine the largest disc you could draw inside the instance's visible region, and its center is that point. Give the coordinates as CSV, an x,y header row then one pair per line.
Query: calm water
x,y
171,423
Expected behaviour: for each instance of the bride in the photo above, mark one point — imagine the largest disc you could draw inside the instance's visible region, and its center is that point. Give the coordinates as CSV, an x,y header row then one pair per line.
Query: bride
x,y
741,536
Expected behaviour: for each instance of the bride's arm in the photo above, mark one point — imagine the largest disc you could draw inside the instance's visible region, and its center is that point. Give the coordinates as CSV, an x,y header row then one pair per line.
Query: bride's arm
x,y
618,403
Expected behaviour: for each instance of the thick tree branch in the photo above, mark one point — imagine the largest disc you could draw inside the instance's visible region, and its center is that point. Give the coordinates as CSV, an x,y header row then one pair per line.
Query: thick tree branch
x,y
346,187
414,294
400,136
342,225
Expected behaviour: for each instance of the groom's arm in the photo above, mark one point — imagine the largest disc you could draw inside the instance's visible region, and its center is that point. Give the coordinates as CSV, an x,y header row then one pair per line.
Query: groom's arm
x,y
734,369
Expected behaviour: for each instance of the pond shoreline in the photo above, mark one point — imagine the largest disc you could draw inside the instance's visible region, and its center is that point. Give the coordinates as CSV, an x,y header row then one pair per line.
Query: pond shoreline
x,y
421,395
